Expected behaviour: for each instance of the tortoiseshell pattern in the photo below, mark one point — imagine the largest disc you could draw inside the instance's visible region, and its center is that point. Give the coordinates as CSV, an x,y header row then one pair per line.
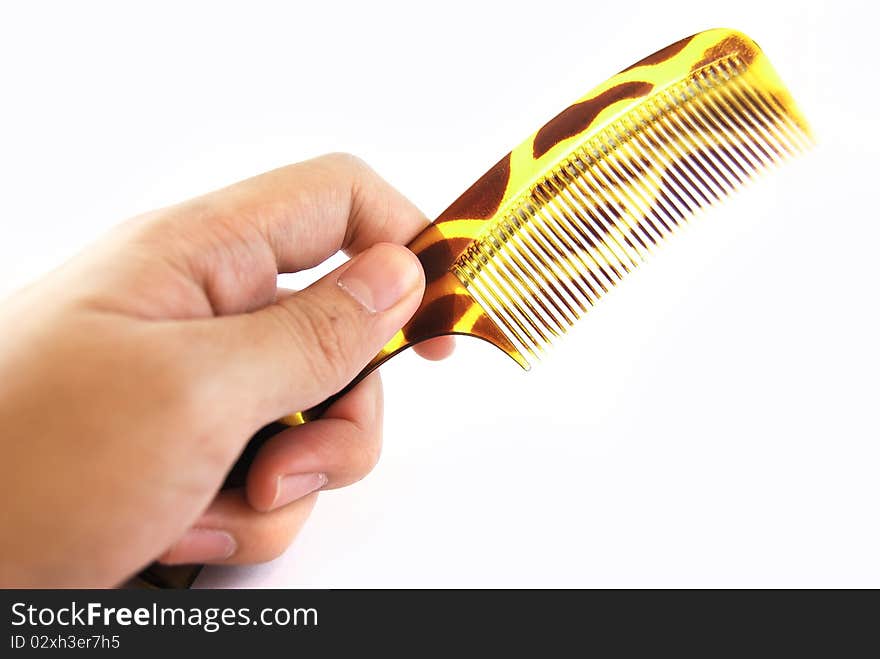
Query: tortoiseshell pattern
x,y
555,223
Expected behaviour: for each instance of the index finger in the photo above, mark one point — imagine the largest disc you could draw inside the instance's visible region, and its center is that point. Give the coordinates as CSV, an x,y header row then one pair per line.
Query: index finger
x,y
308,211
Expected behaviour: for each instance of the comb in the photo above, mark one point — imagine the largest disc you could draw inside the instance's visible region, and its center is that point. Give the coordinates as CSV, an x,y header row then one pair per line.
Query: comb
x,y
555,224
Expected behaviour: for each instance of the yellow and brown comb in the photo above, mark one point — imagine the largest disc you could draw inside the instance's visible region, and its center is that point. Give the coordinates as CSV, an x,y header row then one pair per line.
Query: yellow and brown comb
x,y
558,221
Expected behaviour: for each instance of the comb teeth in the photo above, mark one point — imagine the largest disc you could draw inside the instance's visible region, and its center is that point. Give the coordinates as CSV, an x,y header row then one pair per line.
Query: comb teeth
x,y
601,212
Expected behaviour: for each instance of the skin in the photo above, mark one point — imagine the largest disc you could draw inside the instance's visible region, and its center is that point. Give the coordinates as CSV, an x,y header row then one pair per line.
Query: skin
x,y
132,376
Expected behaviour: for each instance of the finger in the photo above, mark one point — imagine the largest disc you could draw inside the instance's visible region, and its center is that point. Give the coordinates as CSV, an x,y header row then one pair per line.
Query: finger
x,y
230,532
338,449
281,293
293,354
233,242
433,350
436,349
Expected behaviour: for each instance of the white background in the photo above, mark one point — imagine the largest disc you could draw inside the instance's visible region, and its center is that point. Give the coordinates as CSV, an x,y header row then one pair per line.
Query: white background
x,y
712,423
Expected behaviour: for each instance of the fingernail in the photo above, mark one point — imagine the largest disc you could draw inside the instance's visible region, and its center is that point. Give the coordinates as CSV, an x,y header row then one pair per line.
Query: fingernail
x,y
380,277
201,546
296,486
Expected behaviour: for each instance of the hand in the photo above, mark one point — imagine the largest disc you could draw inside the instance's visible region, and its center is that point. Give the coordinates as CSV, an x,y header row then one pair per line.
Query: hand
x,y
133,376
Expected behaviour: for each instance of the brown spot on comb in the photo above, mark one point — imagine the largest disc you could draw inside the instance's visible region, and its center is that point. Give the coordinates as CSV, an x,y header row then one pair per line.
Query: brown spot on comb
x,y
482,199
661,55
579,116
435,316
732,45
438,257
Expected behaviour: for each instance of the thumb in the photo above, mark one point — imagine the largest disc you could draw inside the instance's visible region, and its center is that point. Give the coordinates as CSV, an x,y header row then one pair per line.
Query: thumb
x,y
295,353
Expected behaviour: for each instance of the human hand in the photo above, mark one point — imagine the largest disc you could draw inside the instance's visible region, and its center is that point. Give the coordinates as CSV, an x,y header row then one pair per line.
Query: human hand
x,y
132,377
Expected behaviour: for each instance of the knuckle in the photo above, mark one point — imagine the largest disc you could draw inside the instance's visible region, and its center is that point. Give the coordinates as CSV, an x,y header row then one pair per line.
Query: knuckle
x,y
347,160
361,454
325,329
319,333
